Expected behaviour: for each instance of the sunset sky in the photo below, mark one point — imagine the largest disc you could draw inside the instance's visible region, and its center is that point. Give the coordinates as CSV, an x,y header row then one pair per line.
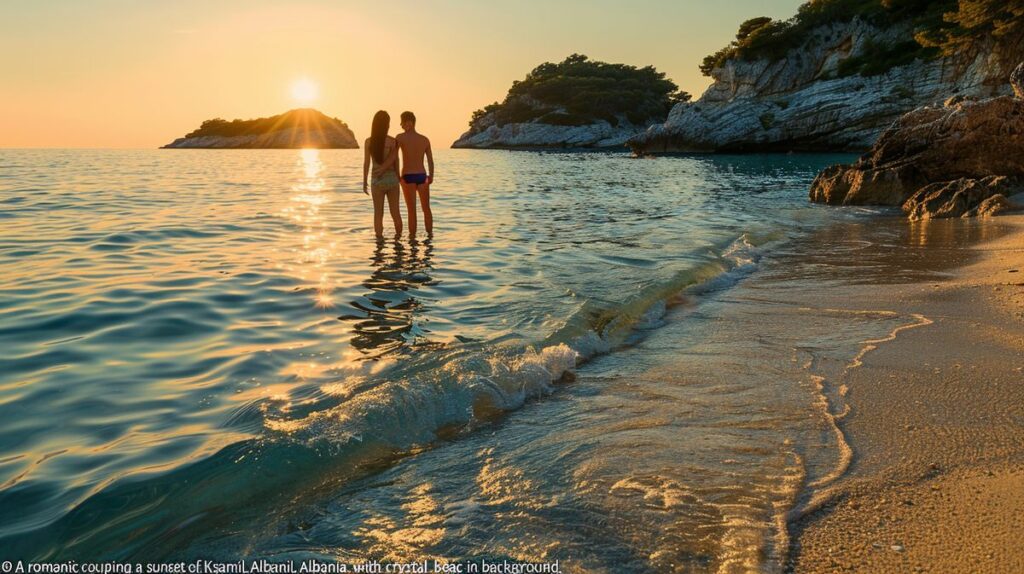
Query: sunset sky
x,y
139,73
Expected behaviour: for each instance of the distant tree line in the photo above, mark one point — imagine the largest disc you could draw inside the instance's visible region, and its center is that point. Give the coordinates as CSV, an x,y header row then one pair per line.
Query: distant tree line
x,y
302,118
581,91
939,27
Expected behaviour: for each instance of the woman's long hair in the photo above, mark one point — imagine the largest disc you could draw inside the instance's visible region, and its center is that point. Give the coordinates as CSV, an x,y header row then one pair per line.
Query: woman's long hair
x,y
379,134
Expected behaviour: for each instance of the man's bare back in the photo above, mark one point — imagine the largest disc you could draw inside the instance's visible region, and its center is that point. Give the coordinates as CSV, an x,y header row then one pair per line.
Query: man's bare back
x,y
416,178
415,147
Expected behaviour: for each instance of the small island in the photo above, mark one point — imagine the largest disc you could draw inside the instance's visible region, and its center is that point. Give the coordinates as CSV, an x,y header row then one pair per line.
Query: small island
x,y
577,103
295,129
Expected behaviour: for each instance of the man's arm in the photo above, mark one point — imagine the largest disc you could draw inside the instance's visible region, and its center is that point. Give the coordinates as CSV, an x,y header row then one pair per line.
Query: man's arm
x,y
398,148
430,163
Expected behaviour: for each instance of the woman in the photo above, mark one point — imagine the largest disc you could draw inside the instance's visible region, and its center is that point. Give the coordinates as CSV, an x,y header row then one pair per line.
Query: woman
x,y
382,151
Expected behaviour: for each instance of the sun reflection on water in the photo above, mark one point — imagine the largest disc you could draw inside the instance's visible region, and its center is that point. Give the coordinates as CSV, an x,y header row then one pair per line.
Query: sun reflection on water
x,y
311,257
318,247
410,536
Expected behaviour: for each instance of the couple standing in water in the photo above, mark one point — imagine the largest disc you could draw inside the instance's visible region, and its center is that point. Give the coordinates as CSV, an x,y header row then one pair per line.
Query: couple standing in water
x,y
381,152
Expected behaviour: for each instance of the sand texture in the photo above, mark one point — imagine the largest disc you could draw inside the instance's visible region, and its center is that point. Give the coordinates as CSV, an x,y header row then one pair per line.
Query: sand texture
x,y
936,425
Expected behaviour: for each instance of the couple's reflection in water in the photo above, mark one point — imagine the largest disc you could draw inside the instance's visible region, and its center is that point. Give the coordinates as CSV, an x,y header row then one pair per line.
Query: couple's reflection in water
x,y
389,318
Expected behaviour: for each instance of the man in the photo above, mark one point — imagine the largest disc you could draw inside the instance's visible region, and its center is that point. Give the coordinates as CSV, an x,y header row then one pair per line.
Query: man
x,y
416,179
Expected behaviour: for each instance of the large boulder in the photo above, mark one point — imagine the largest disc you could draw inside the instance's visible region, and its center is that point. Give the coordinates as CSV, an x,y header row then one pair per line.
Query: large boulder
x,y
963,198
1017,80
936,161
866,185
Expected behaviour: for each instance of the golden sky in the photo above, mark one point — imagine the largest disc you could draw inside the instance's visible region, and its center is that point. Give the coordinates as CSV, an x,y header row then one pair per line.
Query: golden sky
x,y
139,73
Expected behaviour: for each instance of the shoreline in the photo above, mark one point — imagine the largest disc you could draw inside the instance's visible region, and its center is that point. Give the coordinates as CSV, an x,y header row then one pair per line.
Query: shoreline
x,y
728,409
934,419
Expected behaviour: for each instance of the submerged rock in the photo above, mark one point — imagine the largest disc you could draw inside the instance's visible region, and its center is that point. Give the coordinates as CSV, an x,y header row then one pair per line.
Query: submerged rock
x,y
994,205
962,158
963,198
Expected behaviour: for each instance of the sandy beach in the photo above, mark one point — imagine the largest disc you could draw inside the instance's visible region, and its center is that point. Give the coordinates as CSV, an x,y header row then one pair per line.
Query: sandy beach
x,y
934,421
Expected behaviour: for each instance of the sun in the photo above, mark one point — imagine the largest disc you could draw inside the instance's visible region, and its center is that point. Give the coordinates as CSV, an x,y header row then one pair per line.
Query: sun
x,y
304,91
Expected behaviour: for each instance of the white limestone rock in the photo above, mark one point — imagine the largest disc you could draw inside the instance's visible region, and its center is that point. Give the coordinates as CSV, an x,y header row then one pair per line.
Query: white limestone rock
x,y
799,103
534,134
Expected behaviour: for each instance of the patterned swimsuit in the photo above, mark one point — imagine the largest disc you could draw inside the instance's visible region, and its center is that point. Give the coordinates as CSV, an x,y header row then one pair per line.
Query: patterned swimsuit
x,y
387,181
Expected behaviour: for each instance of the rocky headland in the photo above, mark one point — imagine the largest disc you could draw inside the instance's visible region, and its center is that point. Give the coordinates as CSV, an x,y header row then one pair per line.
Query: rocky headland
x,y
576,103
839,73
537,134
961,158
300,128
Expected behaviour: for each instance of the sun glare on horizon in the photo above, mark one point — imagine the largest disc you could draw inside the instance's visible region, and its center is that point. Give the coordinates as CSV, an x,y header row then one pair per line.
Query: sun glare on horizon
x,y
304,91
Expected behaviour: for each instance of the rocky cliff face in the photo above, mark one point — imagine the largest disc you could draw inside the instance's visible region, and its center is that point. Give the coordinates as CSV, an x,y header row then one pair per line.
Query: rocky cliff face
x,y
798,103
600,134
293,138
961,158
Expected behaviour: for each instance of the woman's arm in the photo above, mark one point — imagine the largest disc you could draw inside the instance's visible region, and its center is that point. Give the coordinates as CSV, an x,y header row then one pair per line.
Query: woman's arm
x,y
394,154
390,160
366,164
398,148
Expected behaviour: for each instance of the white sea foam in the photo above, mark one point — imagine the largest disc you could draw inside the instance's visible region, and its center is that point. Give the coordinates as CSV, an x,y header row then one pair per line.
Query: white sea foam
x,y
413,402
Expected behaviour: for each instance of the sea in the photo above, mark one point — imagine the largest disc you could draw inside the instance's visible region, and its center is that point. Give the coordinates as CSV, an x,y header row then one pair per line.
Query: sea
x,y
597,361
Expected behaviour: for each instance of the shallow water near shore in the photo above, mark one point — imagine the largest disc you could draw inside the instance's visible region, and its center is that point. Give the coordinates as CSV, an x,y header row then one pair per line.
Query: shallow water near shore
x,y
208,354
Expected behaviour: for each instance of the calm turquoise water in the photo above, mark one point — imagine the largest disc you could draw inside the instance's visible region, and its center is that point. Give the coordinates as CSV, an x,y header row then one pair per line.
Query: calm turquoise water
x,y
206,353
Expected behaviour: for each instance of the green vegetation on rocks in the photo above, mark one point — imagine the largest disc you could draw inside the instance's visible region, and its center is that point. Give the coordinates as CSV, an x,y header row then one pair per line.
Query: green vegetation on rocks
x,y
304,119
580,91
938,27
301,128
973,19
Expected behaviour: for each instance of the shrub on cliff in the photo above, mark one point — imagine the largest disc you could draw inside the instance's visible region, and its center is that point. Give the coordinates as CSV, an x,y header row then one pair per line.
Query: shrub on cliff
x,y
1002,19
939,26
880,58
580,91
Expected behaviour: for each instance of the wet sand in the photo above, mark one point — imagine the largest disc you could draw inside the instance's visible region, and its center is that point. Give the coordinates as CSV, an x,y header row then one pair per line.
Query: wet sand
x,y
935,421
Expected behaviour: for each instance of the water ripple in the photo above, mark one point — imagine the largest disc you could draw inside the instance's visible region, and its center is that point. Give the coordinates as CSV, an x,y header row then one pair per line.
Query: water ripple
x,y
164,315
